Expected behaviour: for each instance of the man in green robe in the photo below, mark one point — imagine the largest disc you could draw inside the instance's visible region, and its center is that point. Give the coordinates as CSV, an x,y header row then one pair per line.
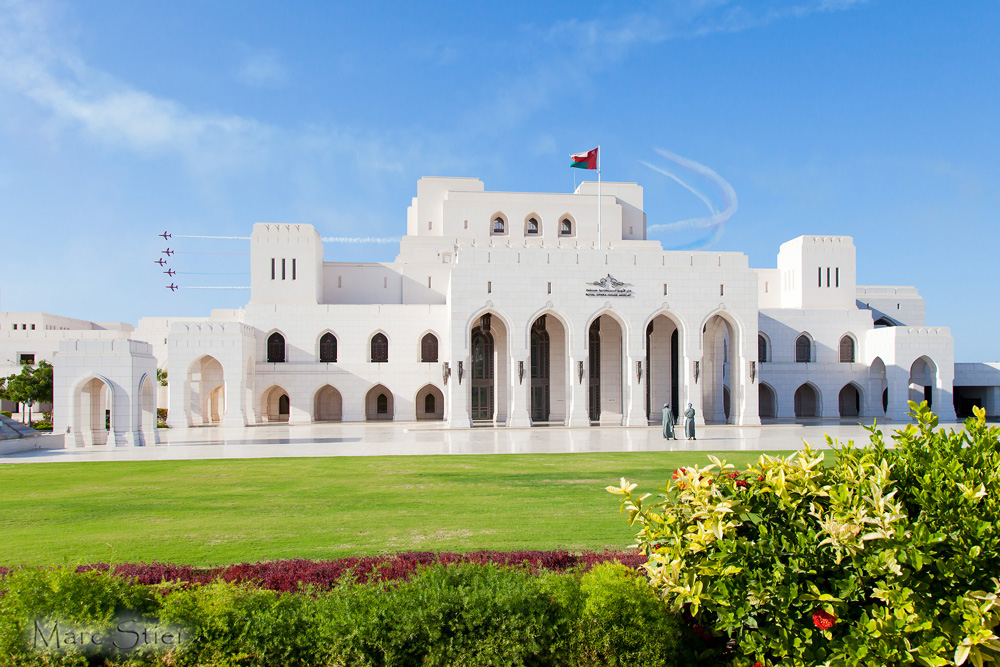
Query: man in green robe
x,y
668,423
689,423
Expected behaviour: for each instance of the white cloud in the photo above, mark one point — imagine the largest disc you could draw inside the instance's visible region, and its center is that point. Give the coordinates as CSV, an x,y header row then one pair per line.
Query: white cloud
x,y
263,70
109,110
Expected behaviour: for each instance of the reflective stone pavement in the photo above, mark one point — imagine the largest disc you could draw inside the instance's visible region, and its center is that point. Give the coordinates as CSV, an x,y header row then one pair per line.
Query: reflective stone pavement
x,y
413,438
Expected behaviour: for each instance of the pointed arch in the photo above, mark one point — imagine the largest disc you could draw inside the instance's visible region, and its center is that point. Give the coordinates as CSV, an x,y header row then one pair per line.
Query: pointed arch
x,y
379,404
429,347
275,404
276,348
93,411
499,225
608,335
850,400
532,225
808,401
848,349
205,389
767,401
326,347
145,428
804,352
429,402
923,380
328,404
567,226
378,348
763,348
665,335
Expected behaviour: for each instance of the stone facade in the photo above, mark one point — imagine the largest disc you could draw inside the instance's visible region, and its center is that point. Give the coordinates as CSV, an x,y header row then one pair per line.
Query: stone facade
x,y
514,309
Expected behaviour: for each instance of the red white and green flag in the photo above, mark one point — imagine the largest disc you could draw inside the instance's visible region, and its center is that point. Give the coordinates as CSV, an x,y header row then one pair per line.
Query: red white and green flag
x,y
586,160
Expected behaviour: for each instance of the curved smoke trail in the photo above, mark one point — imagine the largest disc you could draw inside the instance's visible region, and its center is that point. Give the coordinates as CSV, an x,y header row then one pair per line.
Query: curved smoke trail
x,y
716,221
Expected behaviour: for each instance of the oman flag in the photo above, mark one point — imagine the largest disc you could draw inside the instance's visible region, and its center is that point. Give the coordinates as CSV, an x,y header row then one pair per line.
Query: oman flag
x,y
586,160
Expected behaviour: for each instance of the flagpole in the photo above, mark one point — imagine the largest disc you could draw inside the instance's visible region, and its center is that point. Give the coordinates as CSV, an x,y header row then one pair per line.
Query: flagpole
x,y
599,240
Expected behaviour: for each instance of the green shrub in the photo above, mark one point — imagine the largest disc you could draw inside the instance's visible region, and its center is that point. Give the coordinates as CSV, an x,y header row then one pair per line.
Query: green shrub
x,y
6,413
465,615
161,416
88,600
448,615
625,623
880,558
233,624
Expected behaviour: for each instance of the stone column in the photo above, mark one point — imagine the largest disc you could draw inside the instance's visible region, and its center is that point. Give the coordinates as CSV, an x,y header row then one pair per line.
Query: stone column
x,y
457,395
579,391
520,390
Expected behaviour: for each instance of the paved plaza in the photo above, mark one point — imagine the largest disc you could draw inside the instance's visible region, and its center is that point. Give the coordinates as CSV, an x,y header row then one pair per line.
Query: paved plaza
x,y
402,439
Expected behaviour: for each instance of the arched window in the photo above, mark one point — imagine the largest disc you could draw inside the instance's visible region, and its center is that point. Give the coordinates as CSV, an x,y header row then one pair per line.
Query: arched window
x,y
328,348
429,348
499,225
761,349
382,404
566,227
532,227
380,349
275,348
847,350
803,349
429,404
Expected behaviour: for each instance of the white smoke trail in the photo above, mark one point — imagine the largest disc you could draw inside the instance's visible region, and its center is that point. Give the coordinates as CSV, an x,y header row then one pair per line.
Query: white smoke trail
x,y
179,287
326,239
224,238
717,220
205,252
365,239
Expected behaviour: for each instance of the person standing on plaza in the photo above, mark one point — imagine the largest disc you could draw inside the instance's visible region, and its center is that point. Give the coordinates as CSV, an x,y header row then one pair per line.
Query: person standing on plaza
x,y
689,423
668,423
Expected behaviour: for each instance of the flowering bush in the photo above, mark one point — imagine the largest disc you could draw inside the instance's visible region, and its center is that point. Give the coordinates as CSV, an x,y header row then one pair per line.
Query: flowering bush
x,y
289,575
885,556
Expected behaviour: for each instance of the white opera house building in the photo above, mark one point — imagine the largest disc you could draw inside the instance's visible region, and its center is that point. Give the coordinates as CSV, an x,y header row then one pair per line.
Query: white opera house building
x,y
513,310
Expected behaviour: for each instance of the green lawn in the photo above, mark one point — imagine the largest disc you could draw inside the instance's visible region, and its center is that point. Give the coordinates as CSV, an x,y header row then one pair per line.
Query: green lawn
x,y
228,511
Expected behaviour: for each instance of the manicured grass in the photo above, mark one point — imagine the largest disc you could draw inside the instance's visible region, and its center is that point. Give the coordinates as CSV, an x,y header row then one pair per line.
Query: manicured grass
x,y
228,511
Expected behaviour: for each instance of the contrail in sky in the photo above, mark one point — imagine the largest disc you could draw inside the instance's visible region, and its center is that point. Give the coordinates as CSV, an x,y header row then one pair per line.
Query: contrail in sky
x,y
180,287
326,239
716,221
224,238
365,239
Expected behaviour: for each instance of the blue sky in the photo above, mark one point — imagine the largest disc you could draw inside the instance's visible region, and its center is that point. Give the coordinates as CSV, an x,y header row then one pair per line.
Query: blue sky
x,y
872,119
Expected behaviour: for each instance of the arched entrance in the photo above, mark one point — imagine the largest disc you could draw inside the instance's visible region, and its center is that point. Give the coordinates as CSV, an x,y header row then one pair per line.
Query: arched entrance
x,y
145,429
328,405
540,371
548,372
92,415
275,405
807,401
767,401
923,379
429,403
379,405
206,384
488,370
850,401
878,383
606,347
719,347
662,367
